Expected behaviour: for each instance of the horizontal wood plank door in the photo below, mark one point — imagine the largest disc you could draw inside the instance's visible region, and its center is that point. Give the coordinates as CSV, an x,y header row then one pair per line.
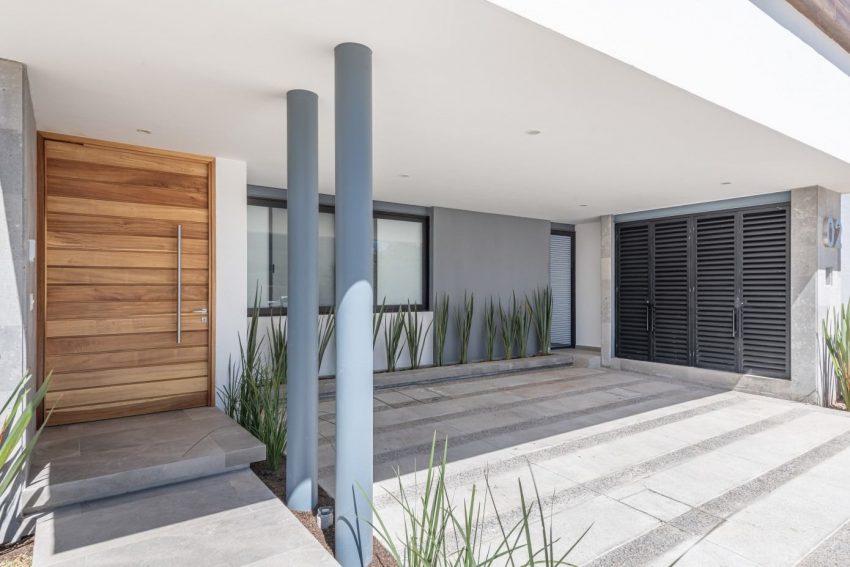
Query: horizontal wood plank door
x,y
125,236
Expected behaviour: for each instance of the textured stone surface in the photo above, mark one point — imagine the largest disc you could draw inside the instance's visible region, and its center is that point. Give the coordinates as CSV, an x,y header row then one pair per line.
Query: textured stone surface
x,y
230,519
82,462
654,465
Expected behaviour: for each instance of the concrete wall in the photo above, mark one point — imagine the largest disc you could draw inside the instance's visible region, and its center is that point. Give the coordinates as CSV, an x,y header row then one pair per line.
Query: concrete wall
x,y
488,255
588,285
17,266
231,263
815,290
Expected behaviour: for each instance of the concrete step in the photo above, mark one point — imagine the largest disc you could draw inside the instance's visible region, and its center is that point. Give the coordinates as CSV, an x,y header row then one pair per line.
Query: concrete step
x,y
225,520
90,461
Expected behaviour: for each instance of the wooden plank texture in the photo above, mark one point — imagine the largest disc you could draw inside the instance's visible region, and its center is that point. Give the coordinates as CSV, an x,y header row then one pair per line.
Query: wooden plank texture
x,y
124,259
109,279
95,293
117,343
122,360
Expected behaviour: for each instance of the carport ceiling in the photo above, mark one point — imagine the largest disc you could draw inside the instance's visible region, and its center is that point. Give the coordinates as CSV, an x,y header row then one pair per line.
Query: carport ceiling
x,y
457,87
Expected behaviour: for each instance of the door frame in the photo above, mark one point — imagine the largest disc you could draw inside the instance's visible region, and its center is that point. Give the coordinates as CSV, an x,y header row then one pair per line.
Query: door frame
x,y
41,244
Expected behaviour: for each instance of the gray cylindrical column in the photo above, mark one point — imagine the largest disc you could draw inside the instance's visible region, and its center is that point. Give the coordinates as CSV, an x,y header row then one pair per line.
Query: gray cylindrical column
x,y
354,303
302,402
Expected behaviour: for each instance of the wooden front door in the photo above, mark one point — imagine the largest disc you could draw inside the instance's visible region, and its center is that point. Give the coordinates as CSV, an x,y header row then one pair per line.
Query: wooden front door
x,y
125,238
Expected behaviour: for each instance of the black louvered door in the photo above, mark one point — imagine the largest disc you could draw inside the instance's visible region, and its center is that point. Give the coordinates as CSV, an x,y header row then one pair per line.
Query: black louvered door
x,y
764,310
670,314
633,292
709,290
715,291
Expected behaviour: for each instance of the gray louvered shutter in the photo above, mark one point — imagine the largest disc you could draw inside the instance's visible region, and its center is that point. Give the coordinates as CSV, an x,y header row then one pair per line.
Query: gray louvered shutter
x,y
561,280
633,291
715,288
765,292
670,326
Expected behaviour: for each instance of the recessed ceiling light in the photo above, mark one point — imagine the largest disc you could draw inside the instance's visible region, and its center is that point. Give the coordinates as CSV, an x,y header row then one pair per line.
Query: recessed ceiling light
x,y
726,183
532,132
404,175
142,131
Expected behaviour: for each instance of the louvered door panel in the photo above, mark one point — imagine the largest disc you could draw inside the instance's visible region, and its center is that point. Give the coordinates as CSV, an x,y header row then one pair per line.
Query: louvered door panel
x,y
764,292
715,273
670,292
633,291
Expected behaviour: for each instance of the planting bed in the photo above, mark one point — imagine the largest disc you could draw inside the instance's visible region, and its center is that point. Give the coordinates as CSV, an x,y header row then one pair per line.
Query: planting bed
x,y
276,482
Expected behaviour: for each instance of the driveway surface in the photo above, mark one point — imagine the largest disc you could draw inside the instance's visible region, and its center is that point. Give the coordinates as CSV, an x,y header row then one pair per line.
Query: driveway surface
x,y
661,471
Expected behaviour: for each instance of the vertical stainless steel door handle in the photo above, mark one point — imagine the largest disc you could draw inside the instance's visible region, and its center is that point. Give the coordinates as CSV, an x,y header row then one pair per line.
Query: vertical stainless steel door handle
x,y
179,281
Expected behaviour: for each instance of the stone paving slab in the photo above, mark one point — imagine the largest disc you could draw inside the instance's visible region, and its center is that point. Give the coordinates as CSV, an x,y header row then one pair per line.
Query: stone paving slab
x,y
81,462
226,520
665,470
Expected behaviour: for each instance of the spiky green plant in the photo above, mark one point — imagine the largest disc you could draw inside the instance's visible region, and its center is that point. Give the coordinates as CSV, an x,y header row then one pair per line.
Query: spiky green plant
x,y
278,348
435,533
254,395
836,338
522,315
542,299
415,332
463,321
489,328
441,327
20,410
393,332
506,331
327,324
377,319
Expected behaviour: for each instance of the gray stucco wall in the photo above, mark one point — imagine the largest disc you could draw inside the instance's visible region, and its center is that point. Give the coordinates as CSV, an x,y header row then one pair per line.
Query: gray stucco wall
x,y
488,255
17,227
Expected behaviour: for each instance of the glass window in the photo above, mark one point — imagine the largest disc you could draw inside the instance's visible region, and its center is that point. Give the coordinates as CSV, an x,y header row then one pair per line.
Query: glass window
x,y
399,254
400,262
258,254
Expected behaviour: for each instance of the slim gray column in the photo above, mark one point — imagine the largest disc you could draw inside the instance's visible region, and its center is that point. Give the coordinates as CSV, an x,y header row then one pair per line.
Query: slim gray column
x,y
302,402
354,303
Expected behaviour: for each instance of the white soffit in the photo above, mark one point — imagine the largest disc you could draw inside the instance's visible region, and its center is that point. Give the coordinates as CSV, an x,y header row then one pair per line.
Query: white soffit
x,y
729,52
457,84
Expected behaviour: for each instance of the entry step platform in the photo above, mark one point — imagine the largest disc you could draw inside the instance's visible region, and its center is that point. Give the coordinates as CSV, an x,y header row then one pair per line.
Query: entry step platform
x,y
89,461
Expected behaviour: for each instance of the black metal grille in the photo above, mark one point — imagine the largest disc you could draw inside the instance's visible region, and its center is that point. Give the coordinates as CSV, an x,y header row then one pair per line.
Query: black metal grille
x,y
764,292
670,292
715,331
633,292
709,290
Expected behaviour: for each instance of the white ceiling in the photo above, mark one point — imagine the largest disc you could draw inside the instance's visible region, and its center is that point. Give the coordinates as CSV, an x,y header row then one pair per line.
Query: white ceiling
x,y
457,83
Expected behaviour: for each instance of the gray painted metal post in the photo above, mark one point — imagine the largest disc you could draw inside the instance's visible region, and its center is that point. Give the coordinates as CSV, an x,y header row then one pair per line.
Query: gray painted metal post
x,y
302,402
354,303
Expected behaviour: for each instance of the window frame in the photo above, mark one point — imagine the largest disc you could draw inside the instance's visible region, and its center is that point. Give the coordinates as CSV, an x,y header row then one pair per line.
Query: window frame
x,y
423,220
572,235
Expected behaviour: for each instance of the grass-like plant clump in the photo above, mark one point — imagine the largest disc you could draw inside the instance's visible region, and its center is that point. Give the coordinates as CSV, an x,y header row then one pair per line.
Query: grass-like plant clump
x,y
19,409
522,315
836,338
255,394
506,331
441,328
377,319
326,331
393,332
489,328
415,332
463,321
542,300
436,533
